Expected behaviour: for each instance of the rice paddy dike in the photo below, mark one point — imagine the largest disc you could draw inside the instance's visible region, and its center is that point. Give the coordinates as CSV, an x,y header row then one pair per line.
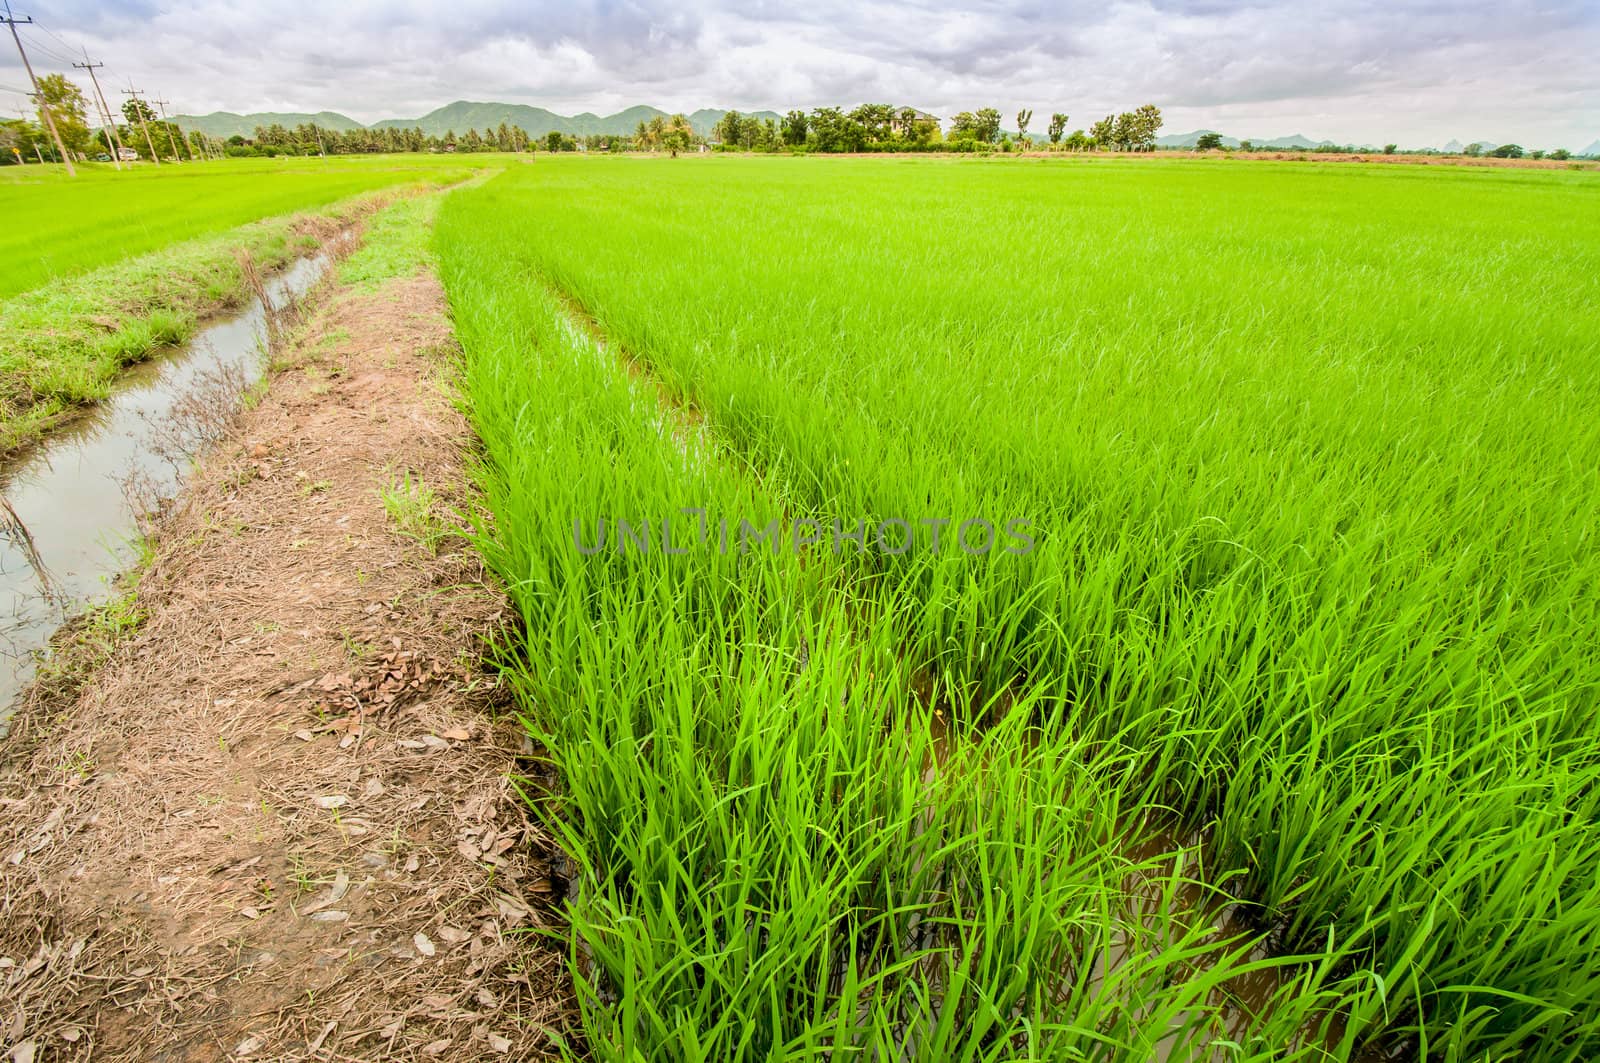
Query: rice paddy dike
x,y
1310,628
114,267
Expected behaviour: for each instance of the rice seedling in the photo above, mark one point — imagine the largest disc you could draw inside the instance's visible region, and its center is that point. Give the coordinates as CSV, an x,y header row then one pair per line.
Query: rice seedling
x,y
1310,490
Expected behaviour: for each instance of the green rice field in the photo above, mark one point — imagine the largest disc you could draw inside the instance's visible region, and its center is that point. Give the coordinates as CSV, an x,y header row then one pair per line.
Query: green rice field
x,y
61,227
1258,725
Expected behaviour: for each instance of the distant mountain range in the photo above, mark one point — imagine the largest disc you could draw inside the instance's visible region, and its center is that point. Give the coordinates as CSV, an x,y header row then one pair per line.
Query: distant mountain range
x,y
1297,142
1592,149
460,117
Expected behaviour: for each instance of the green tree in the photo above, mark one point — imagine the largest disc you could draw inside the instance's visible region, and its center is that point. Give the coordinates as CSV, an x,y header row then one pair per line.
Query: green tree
x,y
1122,131
1507,151
679,135
67,107
1145,125
1023,118
1208,142
136,110
749,132
828,125
1390,149
1561,154
987,125
727,129
1472,150
1101,132
1058,125
552,141
14,141
794,128
873,126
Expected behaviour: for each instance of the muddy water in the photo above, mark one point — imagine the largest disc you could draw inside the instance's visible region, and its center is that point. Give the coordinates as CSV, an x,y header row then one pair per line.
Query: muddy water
x,y
72,490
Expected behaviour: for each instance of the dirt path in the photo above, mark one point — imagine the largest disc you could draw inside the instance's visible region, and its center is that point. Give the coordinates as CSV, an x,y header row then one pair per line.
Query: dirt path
x,y
277,823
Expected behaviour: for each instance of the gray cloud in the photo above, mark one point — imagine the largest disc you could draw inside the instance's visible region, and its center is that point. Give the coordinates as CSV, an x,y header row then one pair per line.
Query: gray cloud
x,y
1416,71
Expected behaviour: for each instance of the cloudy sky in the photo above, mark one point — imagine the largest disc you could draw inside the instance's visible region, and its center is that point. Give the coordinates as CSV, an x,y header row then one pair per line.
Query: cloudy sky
x,y
1415,71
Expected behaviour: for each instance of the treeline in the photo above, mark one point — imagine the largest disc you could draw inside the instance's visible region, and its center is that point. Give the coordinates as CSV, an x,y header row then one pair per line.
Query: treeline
x,y
311,139
661,134
1214,142
882,127
873,127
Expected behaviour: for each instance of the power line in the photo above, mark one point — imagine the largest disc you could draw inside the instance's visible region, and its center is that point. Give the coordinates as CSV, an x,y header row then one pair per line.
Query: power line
x,y
105,108
68,45
176,156
12,22
47,50
142,109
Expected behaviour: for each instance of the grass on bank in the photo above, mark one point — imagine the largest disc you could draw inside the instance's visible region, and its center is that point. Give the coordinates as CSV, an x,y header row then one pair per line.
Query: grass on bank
x,y
66,342
60,227
1313,473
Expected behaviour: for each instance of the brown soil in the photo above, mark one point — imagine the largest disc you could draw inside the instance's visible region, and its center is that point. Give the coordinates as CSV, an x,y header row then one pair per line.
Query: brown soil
x,y
279,822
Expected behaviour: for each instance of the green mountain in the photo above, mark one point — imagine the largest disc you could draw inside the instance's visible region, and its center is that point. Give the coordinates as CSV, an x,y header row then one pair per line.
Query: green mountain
x,y
1189,140
461,116
536,121
227,124
705,120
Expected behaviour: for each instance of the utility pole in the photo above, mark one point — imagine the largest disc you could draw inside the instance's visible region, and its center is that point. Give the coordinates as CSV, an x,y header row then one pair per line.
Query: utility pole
x,y
140,111
176,154
44,108
114,141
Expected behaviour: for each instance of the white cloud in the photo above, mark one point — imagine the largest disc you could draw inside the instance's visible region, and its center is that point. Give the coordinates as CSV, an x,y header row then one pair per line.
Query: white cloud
x,y
1416,71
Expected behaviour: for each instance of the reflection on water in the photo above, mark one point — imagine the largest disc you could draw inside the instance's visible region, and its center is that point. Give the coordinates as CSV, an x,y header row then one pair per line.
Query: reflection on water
x,y
71,492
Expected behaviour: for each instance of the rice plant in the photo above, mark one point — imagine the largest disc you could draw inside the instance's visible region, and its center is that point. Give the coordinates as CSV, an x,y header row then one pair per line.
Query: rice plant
x,y
1311,479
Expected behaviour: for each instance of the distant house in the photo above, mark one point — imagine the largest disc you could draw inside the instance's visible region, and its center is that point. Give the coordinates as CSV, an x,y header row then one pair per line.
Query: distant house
x,y
900,127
